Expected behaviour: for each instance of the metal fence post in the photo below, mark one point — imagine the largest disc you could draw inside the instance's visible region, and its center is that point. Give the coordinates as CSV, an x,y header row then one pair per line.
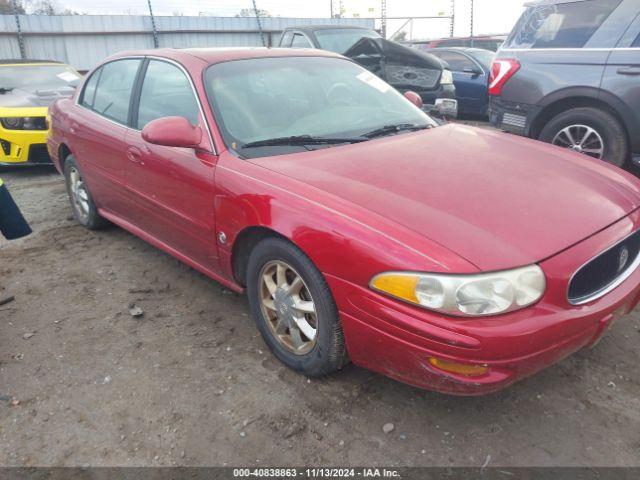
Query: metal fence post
x,y
255,9
472,24
19,29
453,17
153,26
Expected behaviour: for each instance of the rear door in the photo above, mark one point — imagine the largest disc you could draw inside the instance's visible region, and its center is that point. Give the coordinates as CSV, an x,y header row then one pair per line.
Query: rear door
x,y
173,187
99,128
622,78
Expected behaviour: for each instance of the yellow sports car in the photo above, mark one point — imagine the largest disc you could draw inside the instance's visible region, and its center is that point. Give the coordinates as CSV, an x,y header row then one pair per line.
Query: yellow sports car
x,y
27,88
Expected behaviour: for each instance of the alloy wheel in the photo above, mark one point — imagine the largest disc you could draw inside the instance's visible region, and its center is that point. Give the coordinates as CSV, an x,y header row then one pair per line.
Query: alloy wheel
x,y
79,194
581,139
288,307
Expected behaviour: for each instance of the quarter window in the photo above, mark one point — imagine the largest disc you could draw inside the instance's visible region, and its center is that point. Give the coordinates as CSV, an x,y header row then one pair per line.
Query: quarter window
x,y
564,25
299,41
286,39
636,42
89,92
166,92
113,92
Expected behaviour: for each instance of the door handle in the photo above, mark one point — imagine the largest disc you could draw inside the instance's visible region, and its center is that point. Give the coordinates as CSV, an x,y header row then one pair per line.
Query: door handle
x,y
629,71
134,155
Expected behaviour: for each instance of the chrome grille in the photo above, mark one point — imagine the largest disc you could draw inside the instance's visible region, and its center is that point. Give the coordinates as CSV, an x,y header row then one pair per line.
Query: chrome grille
x,y
606,271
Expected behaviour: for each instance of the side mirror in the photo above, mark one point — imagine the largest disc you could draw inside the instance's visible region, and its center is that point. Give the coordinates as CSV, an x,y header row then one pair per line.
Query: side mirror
x,y
172,132
414,98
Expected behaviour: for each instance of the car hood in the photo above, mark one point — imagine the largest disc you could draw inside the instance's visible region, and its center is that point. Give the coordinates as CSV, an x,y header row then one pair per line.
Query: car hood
x,y
498,201
41,97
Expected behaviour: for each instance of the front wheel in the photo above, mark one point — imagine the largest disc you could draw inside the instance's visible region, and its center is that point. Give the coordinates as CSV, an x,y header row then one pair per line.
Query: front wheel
x,y
293,308
589,131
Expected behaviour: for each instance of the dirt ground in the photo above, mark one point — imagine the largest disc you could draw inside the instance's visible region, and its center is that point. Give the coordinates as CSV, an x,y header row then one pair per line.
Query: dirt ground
x,y
192,383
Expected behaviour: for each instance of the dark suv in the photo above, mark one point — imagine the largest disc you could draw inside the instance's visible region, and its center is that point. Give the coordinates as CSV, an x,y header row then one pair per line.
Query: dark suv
x,y
569,74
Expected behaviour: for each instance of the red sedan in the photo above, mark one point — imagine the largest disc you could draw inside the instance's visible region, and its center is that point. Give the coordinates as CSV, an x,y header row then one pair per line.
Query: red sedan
x,y
448,257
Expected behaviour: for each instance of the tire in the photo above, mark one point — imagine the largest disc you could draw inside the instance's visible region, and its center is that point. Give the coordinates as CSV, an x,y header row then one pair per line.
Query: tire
x,y
84,209
606,126
321,356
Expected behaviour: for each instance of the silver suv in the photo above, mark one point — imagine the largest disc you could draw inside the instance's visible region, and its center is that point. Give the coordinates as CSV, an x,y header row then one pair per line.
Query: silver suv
x,y
569,74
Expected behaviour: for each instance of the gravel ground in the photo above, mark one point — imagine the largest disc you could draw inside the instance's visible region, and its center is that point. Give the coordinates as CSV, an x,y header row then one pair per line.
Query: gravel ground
x,y
192,383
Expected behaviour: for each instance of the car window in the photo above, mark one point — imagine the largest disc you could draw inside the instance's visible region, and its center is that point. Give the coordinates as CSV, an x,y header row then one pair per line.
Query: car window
x,y
299,41
89,92
484,57
339,40
285,41
113,92
45,76
565,25
636,42
457,62
166,92
263,98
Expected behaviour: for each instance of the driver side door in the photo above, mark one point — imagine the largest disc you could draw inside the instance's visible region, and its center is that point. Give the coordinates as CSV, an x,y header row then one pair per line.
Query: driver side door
x,y
173,187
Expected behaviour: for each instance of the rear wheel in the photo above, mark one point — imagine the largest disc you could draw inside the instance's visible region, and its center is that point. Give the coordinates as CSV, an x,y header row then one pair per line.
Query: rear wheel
x,y
294,309
82,205
589,131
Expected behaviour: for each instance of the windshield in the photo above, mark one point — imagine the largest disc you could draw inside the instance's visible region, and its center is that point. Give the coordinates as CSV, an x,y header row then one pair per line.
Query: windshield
x,y
340,40
267,98
46,76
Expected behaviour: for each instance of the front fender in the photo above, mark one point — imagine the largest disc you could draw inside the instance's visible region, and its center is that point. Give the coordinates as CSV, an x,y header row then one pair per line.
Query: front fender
x,y
342,240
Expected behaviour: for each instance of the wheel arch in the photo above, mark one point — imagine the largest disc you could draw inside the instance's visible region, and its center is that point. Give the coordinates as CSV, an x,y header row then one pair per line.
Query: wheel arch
x,y
245,241
63,152
563,100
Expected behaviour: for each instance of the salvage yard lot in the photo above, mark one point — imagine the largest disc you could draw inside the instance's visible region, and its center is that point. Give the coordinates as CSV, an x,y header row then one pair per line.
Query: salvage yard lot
x,y
192,383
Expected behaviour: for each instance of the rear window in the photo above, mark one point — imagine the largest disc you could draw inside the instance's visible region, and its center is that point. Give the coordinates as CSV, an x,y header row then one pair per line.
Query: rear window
x,y
340,40
564,25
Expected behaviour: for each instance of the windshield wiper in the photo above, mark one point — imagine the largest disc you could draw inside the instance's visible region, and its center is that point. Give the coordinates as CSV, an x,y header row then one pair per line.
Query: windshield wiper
x,y
400,127
6,90
303,140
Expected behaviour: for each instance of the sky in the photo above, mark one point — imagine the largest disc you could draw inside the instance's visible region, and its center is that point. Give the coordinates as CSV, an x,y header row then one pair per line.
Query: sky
x,y
490,16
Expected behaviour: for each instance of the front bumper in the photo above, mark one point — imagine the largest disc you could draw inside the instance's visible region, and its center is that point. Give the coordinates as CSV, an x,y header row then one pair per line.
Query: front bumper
x,y
511,116
397,340
23,147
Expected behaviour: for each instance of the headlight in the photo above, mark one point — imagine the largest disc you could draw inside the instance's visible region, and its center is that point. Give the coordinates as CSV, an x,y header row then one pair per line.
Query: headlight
x,y
24,123
469,295
447,77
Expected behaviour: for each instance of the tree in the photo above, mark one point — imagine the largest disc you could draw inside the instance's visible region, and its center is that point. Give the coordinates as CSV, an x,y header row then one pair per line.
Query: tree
x,y
250,12
6,7
43,7
400,36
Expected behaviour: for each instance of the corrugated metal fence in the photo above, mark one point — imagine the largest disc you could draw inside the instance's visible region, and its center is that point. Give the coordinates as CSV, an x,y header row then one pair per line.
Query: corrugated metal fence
x,y
84,40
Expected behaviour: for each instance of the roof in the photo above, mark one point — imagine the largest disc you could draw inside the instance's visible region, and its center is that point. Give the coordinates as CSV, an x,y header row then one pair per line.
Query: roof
x,y
460,49
22,61
326,27
475,37
217,55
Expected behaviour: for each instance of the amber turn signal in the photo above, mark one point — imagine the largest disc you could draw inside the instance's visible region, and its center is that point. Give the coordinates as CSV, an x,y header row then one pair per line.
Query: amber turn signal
x,y
459,368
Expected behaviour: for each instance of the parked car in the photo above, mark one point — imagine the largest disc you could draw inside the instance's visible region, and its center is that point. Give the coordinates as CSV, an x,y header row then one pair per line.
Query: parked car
x,y
27,87
485,42
359,229
402,67
568,75
470,68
